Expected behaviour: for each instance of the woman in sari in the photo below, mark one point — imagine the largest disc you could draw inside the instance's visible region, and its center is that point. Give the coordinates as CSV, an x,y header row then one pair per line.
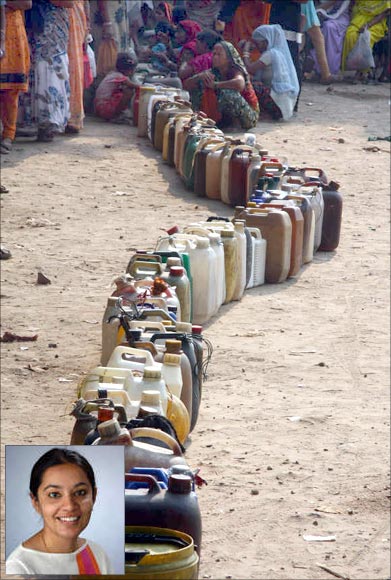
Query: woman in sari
x,y
274,75
334,22
370,14
14,69
77,36
225,92
46,105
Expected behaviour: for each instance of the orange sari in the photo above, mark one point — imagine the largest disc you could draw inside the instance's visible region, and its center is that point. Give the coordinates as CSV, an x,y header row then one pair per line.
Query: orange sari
x,y
77,34
248,16
14,70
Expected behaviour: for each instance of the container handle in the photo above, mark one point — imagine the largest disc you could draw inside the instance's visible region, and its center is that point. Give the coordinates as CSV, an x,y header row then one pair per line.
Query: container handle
x,y
153,486
321,174
217,218
159,435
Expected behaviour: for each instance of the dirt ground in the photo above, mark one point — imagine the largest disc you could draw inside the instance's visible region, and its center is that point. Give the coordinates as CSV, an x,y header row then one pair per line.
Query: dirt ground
x,y
293,434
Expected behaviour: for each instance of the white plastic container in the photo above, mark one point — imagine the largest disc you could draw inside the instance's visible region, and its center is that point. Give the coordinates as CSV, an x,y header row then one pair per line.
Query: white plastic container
x,y
104,378
118,396
150,381
134,359
216,244
315,196
159,96
259,258
202,263
224,184
172,374
241,260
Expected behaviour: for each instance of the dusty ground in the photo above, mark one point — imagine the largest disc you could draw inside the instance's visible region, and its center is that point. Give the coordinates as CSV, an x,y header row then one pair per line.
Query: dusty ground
x,y
315,347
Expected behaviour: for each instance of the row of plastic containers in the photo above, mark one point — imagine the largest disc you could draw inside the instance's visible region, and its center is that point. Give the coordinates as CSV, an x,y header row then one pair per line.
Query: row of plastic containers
x,y
146,392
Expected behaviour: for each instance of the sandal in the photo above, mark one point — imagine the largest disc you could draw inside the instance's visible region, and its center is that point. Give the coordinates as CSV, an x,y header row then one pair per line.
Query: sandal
x,y
5,146
45,135
71,130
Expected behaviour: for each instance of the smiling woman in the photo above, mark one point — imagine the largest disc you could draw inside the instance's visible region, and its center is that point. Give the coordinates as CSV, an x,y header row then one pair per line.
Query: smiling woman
x,y
63,493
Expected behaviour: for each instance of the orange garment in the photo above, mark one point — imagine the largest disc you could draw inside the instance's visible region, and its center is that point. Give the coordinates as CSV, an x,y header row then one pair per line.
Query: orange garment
x,y
77,35
15,65
248,16
14,70
9,112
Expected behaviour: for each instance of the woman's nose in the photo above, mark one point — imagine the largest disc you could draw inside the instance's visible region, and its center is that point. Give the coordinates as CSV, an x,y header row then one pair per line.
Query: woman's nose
x,y
69,502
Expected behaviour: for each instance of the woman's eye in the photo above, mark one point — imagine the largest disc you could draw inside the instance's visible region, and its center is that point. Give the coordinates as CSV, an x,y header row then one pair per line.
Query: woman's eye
x,y
54,494
81,492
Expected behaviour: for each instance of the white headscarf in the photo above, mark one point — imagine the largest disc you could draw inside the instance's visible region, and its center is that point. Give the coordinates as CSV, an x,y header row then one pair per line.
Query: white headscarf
x,y
284,84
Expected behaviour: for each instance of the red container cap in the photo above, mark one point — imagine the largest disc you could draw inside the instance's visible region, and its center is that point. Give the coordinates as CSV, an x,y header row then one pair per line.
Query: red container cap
x,y
274,160
176,271
173,230
105,414
196,329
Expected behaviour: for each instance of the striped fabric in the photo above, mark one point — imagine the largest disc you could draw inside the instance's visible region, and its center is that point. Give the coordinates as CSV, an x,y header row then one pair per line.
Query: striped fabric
x,y
86,562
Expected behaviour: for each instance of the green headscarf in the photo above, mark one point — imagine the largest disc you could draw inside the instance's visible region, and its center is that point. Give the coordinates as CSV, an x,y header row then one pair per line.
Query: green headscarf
x,y
234,58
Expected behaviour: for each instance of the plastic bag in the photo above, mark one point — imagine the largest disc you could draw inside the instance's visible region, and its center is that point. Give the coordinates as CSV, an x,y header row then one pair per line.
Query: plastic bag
x,y
91,60
361,57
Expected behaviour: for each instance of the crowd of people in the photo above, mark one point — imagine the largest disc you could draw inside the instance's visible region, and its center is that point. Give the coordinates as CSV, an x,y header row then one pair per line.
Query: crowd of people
x,y
238,59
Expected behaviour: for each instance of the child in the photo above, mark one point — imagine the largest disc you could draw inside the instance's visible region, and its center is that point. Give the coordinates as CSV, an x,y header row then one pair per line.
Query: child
x,y
115,91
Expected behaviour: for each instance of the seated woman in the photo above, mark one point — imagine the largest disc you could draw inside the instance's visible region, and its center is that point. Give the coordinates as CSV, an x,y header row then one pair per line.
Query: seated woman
x,y
115,91
334,16
225,92
201,50
370,14
274,75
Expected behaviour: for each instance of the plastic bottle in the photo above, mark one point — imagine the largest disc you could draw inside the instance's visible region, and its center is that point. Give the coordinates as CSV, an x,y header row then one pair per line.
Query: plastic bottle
x,y
219,272
259,258
171,373
104,414
111,433
199,353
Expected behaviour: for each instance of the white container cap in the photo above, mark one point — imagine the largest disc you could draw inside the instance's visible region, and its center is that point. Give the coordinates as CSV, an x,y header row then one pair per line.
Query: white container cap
x,y
152,373
150,398
203,243
184,327
172,359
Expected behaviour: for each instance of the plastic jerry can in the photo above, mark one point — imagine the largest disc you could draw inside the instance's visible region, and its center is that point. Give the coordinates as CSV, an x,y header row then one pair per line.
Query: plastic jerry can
x,y
332,218
238,167
315,196
249,250
252,176
118,396
166,112
241,259
178,416
145,94
182,127
176,508
189,351
177,277
213,168
134,359
158,554
276,227
204,148
141,454
154,105
309,225
143,268
110,329
230,262
189,151
86,421
258,258
297,221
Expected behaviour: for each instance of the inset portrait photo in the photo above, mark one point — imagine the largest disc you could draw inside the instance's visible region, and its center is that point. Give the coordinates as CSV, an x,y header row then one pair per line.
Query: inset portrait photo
x,y
64,510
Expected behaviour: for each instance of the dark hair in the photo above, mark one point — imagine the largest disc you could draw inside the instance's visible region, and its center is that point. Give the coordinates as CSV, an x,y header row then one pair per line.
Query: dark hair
x,y
166,28
209,37
178,14
125,61
57,456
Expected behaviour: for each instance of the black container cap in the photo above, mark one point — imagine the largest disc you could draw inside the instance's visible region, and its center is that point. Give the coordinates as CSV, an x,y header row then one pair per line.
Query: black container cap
x,y
179,483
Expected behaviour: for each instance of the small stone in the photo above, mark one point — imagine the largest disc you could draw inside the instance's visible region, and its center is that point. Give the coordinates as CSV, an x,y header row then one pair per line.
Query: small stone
x,y
321,364
254,492
314,523
42,279
341,140
350,512
52,345
269,468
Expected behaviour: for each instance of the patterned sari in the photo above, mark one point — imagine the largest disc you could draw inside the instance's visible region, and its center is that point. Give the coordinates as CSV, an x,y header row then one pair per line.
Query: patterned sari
x,y
47,102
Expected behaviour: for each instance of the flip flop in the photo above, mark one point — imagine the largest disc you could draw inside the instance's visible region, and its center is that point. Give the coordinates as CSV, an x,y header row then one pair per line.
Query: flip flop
x,y
5,146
